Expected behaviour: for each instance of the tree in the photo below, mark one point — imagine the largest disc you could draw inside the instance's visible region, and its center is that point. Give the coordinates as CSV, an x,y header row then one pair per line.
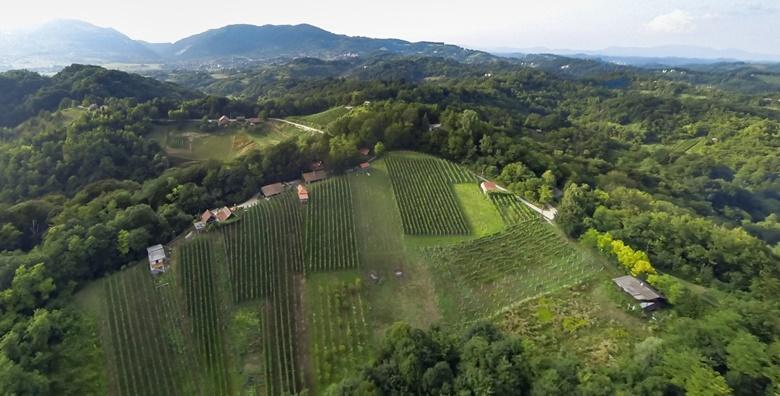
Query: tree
x,y
576,207
379,149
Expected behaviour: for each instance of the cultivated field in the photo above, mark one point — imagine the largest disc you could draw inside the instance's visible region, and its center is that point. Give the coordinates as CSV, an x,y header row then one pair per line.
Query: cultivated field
x,y
293,297
339,332
477,278
206,310
512,209
330,229
424,191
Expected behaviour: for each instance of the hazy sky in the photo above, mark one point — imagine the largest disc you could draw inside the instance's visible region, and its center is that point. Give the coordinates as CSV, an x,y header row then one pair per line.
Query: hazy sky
x,y
751,25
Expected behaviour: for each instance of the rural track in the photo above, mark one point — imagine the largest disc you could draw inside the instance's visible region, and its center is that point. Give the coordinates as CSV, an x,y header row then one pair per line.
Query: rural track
x,y
299,126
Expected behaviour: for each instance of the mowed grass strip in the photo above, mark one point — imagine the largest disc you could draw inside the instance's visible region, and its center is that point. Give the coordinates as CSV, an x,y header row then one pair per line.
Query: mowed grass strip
x,y
424,192
330,227
481,213
475,279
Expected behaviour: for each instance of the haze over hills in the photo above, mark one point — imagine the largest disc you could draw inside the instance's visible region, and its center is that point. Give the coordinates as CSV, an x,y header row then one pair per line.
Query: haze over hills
x,y
63,42
670,55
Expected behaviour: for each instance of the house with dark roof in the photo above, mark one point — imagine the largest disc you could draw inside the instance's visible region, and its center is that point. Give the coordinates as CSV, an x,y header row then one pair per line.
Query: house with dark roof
x,y
646,296
272,189
315,176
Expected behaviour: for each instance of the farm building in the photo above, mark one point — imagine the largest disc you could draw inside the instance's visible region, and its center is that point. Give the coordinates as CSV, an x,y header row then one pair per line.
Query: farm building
x,y
253,121
315,176
157,259
223,121
272,189
303,194
488,186
208,217
223,214
647,298
364,167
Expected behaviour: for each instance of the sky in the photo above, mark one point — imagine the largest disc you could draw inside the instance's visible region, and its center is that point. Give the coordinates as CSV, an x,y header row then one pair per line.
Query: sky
x,y
748,25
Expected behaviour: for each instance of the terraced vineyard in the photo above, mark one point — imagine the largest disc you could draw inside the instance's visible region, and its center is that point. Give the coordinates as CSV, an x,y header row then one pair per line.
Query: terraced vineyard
x,y
264,254
423,189
206,310
477,278
330,228
339,330
511,208
145,349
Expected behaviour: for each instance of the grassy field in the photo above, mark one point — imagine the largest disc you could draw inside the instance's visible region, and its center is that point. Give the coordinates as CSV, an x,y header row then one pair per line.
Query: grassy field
x,y
186,141
321,120
481,214
383,251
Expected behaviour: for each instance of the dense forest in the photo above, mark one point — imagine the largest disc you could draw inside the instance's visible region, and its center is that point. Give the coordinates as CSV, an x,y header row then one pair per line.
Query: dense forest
x,y
681,169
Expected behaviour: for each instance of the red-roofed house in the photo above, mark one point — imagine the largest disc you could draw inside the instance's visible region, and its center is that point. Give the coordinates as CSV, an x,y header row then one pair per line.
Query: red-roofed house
x,y
223,214
303,194
207,216
315,176
488,186
272,189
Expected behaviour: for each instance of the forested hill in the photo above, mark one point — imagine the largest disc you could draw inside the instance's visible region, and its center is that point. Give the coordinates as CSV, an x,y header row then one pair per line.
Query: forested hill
x,y
23,93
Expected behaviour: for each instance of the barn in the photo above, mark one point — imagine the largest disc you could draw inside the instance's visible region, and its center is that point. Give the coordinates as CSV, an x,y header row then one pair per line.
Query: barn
x,y
646,296
272,190
315,176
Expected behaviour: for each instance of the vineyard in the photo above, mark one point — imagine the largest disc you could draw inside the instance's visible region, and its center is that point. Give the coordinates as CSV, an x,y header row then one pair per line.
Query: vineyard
x,y
475,279
339,333
330,228
511,208
264,254
146,350
423,189
205,309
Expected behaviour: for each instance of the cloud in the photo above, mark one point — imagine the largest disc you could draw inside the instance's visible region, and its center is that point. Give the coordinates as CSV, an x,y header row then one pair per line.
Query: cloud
x,y
677,21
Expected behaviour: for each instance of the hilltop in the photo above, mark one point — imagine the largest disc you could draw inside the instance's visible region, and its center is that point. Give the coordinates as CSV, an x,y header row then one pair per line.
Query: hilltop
x,y
67,41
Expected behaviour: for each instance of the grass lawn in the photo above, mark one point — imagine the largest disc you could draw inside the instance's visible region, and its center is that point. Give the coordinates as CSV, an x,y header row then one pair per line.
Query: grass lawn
x,y
185,141
409,297
480,212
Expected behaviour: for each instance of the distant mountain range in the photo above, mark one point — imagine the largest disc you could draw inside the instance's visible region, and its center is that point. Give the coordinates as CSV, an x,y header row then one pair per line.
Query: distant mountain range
x,y
63,42
56,44
671,55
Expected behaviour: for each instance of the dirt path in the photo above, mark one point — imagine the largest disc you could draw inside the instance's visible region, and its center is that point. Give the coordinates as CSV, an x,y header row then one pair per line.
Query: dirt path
x,y
299,126
548,213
